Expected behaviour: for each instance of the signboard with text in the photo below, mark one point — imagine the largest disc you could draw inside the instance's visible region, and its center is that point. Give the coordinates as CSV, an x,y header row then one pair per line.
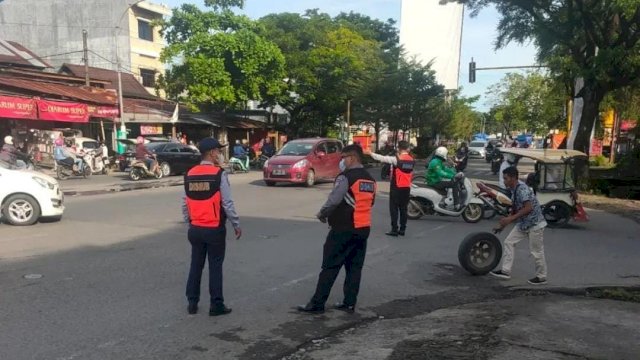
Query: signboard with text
x,y
63,111
110,112
17,108
150,129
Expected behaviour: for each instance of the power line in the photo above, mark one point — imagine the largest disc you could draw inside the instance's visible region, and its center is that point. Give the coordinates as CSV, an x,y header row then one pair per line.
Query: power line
x,y
53,55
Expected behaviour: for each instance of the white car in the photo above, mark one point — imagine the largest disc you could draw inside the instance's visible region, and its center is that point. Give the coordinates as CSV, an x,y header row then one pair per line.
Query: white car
x,y
27,196
477,149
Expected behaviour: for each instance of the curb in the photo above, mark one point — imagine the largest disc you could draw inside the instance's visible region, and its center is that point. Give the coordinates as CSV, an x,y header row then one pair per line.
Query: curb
x,y
116,188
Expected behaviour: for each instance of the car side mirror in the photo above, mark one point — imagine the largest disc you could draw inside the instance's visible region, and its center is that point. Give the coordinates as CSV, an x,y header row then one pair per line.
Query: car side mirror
x,y
321,154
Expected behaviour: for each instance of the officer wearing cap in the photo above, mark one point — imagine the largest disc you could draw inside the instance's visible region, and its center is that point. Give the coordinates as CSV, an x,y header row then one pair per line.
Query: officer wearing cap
x,y
207,206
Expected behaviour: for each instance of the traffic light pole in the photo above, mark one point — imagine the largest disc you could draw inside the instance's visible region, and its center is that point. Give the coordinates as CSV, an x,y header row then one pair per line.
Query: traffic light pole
x,y
473,69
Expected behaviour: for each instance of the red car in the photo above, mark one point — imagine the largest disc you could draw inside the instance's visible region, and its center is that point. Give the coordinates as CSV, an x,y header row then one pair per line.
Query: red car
x,y
304,161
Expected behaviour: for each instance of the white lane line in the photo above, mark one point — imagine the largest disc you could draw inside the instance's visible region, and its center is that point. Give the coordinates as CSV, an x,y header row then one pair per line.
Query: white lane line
x,y
440,227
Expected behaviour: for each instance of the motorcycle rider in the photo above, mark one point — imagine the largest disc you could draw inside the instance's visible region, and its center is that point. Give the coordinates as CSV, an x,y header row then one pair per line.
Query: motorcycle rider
x,y
143,154
268,149
401,174
509,161
239,152
64,156
441,177
462,154
10,154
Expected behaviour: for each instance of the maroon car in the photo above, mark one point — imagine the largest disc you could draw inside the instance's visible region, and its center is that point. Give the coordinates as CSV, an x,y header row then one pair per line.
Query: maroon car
x,y
304,161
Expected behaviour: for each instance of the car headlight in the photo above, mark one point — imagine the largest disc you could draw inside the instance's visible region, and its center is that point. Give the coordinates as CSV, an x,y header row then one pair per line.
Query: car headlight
x,y
43,182
300,164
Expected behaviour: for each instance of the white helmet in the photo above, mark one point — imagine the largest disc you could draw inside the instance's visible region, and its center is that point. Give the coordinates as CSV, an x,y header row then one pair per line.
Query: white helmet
x,y
8,140
510,158
442,152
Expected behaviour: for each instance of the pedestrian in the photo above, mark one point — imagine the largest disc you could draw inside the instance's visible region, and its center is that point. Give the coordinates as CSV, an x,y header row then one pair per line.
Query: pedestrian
x,y
348,212
207,206
530,224
401,174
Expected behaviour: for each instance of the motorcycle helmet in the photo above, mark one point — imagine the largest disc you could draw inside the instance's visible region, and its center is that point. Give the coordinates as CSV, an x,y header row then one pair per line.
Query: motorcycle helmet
x,y
59,142
442,152
139,140
8,140
510,158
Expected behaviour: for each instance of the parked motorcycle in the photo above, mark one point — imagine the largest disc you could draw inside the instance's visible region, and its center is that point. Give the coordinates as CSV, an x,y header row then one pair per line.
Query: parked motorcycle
x,y
237,165
66,169
99,162
425,200
139,171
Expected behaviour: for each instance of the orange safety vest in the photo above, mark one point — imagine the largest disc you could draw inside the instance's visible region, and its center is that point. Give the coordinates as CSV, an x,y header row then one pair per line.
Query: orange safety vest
x,y
402,172
354,212
204,201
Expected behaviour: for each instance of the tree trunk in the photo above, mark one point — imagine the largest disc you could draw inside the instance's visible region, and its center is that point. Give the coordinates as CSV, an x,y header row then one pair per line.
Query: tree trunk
x,y
592,96
376,127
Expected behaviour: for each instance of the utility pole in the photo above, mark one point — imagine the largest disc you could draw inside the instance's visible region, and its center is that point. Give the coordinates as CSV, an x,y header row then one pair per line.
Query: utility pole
x,y
348,120
85,58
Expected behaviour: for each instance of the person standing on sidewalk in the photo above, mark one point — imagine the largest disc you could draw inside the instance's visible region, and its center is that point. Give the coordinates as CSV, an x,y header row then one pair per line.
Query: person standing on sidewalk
x,y
348,211
207,205
401,175
530,225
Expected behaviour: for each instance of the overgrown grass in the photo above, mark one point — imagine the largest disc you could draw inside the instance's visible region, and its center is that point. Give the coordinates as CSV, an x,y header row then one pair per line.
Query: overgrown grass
x,y
620,294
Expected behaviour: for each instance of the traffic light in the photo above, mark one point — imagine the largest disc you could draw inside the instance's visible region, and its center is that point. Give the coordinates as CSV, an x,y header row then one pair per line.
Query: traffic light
x,y
472,71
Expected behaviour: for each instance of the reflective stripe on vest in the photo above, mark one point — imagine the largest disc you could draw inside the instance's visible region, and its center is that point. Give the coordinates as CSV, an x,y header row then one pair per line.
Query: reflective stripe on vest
x,y
360,197
403,171
204,201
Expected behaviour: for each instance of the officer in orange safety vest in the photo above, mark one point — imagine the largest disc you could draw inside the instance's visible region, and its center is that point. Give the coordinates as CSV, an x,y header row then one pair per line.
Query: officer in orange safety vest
x,y
348,212
401,175
207,206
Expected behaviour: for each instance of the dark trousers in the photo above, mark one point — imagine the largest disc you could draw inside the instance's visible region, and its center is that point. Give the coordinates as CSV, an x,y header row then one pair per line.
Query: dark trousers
x,y
398,202
346,248
453,185
206,243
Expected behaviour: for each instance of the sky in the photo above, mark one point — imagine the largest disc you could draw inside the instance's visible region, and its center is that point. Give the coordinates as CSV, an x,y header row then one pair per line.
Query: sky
x,y
478,35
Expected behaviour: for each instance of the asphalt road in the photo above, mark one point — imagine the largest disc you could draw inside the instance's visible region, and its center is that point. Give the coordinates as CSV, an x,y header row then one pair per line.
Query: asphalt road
x,y
107,282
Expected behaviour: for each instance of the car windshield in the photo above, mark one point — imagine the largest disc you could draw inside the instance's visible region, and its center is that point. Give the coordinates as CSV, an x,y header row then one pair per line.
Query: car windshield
x,y
476,144
296,148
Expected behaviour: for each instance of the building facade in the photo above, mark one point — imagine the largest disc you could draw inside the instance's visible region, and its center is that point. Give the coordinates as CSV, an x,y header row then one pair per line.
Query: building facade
x,y
116,29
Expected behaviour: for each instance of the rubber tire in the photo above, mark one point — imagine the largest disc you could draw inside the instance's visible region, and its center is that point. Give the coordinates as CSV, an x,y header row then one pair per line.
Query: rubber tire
x,y
159,174
270,183
86,172
468,244
564,208
35,215
60,174
134,174
311,179
470,219
166,169
411,216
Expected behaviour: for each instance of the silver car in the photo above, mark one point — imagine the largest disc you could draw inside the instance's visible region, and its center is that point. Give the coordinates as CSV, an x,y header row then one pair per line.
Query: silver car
x,y
477,149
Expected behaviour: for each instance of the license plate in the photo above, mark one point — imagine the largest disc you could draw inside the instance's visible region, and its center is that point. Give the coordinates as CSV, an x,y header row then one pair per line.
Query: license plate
x,y
278,172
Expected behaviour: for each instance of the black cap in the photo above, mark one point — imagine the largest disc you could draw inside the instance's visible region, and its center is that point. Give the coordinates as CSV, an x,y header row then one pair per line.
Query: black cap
x,y
208,144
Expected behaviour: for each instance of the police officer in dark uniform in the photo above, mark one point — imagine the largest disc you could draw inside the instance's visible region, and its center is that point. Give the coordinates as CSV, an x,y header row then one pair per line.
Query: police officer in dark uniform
x,y
348,211
401,177
207,206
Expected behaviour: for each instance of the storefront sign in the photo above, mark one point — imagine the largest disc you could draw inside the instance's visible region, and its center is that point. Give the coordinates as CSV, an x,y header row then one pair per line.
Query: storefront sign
x,y
17,108
150,129
63,111
110,112
596,147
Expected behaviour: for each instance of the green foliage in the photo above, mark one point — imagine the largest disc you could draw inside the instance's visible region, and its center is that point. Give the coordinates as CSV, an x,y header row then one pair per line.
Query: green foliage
x,y
599,161
219,59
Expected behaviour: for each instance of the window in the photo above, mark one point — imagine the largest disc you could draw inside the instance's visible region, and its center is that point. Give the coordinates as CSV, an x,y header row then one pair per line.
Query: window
x,y
322,147
145,30
173,148
148,77
332,147
187,150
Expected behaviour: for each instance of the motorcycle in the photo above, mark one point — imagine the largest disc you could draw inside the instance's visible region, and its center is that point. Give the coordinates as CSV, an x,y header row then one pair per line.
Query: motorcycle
x,y
496,160
139,171
425,200
258,161
66,169
28,159
238,165
99,162
497,201
460,162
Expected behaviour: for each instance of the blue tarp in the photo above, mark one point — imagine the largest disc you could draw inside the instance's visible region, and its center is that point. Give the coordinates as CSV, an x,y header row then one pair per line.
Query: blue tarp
x,y
480,136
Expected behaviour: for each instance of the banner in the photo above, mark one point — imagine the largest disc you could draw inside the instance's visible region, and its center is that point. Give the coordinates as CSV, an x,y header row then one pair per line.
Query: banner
x,y
111,112
17,108
150,129
63,111
596,147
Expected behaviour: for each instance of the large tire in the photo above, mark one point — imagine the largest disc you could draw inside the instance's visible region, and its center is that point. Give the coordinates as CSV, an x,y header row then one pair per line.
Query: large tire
x,y
86,171
311,179
473,213
135,174
479,253
413,210
21,210
556,213
166,169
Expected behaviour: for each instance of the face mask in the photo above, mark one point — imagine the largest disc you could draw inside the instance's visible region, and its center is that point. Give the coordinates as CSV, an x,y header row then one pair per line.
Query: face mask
x,y
342,165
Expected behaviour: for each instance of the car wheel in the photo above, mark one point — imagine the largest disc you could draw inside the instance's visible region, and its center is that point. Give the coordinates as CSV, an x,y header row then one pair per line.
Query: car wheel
x,y
270,183
166,169
21,210
311,178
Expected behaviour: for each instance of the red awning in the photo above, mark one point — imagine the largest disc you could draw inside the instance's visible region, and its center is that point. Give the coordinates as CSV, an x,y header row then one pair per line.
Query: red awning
x,y
17,108
63,111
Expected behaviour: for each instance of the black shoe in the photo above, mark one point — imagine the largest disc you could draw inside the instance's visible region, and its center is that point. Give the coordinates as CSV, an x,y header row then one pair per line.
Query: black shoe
x,y
350,309
393,233
537,281
401,232
501,274
192,308
311,309
218,310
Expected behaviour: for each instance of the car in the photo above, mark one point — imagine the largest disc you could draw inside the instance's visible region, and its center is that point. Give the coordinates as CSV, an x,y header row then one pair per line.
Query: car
x,y
477,149
304,161
28,196
175,158
85,143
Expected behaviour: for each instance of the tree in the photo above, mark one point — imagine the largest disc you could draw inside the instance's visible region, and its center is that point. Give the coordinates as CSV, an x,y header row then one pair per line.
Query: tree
x,y
598,41
463,121
220,60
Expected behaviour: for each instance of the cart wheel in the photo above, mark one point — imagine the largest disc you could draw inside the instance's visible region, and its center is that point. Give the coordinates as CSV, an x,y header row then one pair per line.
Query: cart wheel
x,y
480,253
